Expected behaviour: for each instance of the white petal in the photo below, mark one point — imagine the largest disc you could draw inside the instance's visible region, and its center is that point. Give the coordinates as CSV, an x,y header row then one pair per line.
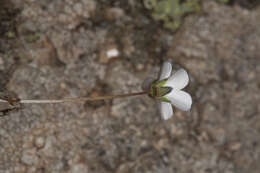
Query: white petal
x,y
180,99
166,110
178,80
165,70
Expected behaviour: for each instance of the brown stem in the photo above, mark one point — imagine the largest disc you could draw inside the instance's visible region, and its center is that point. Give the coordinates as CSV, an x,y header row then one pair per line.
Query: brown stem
x,y
78,99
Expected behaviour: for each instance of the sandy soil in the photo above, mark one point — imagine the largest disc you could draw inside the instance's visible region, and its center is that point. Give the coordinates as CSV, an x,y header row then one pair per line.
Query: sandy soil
x,y
57,49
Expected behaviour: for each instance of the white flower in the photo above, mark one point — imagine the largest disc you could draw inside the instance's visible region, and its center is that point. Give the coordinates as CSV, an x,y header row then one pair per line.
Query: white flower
x,y
168,89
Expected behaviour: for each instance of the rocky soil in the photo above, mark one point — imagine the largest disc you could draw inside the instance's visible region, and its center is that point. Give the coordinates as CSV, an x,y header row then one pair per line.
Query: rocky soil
x,y
58,48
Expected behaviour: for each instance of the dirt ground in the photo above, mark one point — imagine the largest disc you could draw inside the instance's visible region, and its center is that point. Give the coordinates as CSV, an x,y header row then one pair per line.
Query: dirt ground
x,y
57,49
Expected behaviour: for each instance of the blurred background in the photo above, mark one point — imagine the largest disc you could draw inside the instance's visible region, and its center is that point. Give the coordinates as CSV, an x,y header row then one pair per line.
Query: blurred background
x,y
70,48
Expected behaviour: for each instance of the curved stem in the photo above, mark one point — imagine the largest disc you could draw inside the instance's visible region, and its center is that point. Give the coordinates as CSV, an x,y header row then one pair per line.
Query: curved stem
x,y
77,99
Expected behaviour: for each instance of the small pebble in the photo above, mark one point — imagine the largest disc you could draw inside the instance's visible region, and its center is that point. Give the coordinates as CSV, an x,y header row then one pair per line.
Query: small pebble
x,y
114,13
139,67
108,53
235,146
40,142
112,53
29,157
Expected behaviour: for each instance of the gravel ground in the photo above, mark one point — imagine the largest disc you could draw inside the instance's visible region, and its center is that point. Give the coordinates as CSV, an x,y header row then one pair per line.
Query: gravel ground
x,y
57,49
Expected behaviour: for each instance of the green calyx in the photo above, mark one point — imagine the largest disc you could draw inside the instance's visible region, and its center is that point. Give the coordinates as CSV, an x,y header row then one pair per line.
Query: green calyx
x,y
158,90
160,83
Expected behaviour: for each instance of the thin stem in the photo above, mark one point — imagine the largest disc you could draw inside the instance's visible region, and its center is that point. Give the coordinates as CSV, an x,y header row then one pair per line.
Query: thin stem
x,y
78,99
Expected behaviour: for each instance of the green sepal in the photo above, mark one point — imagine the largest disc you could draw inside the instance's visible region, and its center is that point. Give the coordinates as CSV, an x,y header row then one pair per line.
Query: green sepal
x,y
160,83
163,91
158,90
